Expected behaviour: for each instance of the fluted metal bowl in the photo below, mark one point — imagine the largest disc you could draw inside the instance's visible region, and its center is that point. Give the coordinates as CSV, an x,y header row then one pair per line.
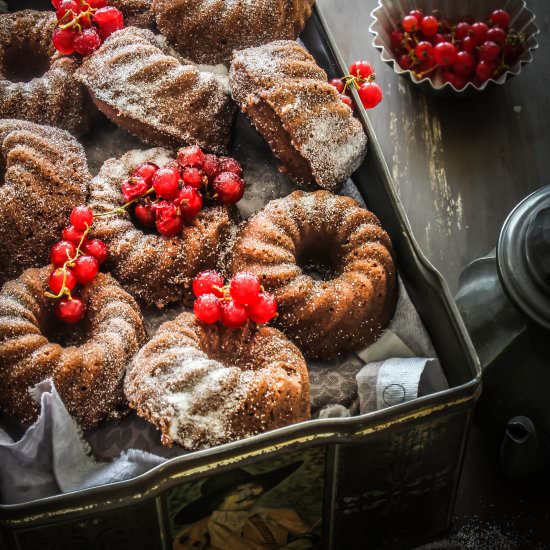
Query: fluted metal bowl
x,y
388,14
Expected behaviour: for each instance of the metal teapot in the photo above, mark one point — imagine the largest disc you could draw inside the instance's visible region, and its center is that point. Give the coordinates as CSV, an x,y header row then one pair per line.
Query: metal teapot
x,y
504,299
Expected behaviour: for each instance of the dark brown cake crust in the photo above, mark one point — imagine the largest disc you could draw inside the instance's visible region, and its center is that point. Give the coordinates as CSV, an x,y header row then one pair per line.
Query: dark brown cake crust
x,y
36,83
156,269
144,86
287,97
209,31
207,385
43,176
349,305
88,374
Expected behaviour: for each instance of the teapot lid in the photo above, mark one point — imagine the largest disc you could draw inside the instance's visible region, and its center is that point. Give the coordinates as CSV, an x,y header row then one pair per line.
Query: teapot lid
x,y
523,256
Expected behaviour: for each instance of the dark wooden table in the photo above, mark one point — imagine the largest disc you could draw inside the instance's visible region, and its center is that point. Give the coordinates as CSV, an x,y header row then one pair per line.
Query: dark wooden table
x,y
459,168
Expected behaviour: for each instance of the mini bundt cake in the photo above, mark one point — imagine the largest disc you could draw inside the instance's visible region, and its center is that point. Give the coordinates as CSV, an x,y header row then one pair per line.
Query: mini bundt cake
x,y
156,269
204,385
86,361
137,13
287,98
43,175
36,83
208,31
137,81
329,264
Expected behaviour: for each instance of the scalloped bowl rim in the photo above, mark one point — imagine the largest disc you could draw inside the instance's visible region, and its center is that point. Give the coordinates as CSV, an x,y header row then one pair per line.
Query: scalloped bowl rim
x,y
390,59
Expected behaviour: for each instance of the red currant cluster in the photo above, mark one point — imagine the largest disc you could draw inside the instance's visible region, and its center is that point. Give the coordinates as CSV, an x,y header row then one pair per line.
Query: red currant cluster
x,y
233,304
83,25
361,76
76,260
458,53
167,197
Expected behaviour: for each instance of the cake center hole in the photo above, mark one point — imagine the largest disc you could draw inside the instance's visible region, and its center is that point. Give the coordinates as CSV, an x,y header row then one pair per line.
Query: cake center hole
x,y
64,334
317,264
23,63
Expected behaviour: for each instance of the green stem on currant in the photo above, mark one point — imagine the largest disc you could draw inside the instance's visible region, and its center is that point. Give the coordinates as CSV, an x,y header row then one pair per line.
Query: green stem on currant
x,y
122,209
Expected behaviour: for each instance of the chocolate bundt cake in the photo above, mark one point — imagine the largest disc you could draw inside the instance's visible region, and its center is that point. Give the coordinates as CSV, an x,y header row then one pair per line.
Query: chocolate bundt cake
x,y
137,13
36,83
204,385
156,269
286,96
86,361
329,264
208,31
43,175
138,82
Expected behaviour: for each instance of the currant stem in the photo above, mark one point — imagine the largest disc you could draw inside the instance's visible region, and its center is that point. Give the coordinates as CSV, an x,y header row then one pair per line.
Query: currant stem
x,y
122,209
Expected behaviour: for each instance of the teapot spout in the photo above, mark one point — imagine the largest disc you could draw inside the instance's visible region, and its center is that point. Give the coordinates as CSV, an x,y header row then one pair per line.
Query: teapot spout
x,y
524,450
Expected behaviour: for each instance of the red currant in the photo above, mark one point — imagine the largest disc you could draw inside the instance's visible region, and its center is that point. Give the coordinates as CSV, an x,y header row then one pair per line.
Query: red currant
x,y
485,70
445,54
406,62
133,188
464,64
208,282
233,315
409,23
347,100
244,287
191,156
437,38
462,30
469,44
60,278
85,269
497,35
370,94
479,31
108,20
207,308
61,252
489,51
73,235
397,39
63,40
457,80
168,221
97,249
87,42
512,53
501,18
418,14
263,309
424,50
189,202
82,217
361,69
338,84
70,311
145,214
429,25
146,171
228,164
211,166
194,177
67,10
97,4
229,187
166,182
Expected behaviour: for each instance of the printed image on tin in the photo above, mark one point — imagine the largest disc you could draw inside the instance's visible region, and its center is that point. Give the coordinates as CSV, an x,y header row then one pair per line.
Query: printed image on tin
x,y
272,504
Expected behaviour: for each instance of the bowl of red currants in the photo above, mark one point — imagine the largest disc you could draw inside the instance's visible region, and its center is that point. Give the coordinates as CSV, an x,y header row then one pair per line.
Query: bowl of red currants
x,y
455,48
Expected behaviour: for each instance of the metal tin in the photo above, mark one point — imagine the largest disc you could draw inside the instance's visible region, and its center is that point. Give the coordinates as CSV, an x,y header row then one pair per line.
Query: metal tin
x,y
385,479
387,16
